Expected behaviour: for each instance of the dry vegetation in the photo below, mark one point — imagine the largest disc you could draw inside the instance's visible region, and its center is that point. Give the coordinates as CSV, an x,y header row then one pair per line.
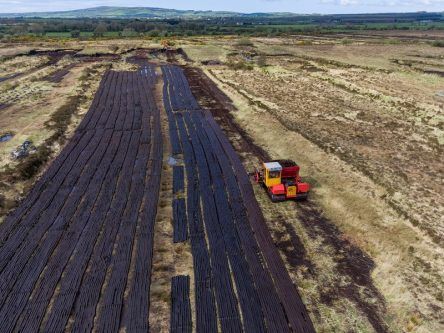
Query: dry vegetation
x,y
363,116
367,130
18,65
388,123
37,107
43,112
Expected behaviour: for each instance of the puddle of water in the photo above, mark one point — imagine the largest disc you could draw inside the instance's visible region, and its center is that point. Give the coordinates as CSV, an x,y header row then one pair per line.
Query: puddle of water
x,y
440,93
6,137
4,78
172,161
3,106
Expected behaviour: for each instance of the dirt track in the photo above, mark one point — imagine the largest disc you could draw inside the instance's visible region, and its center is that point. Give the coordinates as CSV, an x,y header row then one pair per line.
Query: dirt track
x,y
68,252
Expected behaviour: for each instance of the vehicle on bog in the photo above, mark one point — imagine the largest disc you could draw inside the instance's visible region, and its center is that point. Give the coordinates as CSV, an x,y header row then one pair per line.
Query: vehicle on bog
x,y
282,180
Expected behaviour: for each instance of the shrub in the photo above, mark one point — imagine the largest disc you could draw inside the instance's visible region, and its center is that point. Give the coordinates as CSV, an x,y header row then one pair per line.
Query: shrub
x,y
31,166
167,43
75,33
100,30
154,33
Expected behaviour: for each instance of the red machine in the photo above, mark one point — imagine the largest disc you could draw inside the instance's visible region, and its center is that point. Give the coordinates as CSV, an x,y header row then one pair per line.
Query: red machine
x,y
282,180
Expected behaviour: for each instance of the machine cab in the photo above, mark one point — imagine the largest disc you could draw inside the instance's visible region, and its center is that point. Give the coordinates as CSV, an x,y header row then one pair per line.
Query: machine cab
x,y
272,174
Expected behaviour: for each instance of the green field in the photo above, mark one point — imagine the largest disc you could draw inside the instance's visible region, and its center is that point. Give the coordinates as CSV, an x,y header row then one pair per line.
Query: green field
x,y
85,34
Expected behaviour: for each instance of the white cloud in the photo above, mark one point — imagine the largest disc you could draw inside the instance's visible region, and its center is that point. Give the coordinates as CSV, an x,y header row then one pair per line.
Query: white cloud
x,y
383,3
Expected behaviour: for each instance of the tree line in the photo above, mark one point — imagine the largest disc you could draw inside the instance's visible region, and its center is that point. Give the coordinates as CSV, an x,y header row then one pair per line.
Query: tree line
x,y
218,26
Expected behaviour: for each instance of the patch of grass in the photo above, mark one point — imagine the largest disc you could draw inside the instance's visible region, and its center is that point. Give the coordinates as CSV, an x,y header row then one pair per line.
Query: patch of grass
x,y
60,119
438,43
89,72
239,65
9,86
160,292
58,123
6,204
392,41
245,42
304,42
96,51
205,52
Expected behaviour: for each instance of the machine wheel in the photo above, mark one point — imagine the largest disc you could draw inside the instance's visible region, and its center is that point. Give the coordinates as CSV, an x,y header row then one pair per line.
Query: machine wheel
x,y
277,198
302,197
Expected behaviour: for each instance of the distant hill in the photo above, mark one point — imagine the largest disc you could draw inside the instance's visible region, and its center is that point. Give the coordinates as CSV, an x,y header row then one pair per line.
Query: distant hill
x,y
162,13
138,12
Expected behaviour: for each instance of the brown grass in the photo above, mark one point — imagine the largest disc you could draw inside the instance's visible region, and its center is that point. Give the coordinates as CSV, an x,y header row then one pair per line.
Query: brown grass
x,y
347,197
357,114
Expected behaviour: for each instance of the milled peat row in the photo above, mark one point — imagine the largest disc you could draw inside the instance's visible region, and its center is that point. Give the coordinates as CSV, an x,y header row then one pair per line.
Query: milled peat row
x,y
239,276
76,228
76,255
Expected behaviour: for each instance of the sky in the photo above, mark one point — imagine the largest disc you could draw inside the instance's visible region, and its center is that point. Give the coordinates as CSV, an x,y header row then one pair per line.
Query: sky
x,y
246,6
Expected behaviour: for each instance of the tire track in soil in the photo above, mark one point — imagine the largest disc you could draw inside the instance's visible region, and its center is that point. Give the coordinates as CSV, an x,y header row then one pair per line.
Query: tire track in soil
x,y
353,262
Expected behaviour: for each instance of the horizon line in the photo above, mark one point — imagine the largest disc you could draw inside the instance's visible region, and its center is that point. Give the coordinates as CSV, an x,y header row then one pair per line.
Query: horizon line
x,y
218,11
